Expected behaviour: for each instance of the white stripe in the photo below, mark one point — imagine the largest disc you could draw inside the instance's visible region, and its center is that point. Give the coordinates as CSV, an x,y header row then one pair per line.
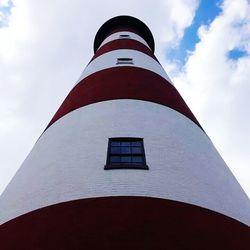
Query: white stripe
x,y
116,35
109,60
67,162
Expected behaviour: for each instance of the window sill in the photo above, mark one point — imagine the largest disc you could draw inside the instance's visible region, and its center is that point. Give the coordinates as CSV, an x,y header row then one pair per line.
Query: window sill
x,y
126,166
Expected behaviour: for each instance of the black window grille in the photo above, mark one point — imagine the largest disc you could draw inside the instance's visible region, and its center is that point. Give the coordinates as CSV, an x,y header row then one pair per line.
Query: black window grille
x,y
126,153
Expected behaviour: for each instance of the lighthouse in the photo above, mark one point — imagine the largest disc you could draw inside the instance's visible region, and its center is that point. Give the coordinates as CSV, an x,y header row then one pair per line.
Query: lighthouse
x,y
124,164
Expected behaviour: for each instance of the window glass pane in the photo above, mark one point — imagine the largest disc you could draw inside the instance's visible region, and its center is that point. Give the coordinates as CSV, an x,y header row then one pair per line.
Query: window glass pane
x,y
136,143
137,159
115,143
125,143
125,159
126,153
115,150
115,159
125,150
136,150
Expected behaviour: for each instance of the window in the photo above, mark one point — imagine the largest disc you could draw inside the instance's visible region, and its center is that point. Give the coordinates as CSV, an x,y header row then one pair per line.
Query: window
x,y
124,36
126,153
124,61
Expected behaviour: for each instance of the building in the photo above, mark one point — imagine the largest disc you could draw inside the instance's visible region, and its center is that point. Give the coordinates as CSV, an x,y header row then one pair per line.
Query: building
x,y
124,164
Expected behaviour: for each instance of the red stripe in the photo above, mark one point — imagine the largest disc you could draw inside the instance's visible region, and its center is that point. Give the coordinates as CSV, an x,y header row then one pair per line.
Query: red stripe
x,y
124,44
124,223
123,83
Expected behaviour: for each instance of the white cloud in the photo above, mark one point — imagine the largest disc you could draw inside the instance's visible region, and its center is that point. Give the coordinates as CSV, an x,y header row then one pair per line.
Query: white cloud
x,y
43,51
181,15
4,2
217,88
5,11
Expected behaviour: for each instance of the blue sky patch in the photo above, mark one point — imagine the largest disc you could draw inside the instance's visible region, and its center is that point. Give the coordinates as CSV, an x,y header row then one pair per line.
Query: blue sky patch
x,y
5,12
205,14
236,53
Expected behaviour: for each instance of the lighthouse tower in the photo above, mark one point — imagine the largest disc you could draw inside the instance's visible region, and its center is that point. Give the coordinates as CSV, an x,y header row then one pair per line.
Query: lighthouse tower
x,y
124,164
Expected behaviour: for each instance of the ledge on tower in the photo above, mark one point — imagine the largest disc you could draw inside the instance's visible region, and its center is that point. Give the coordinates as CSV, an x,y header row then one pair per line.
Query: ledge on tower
x,y
124,22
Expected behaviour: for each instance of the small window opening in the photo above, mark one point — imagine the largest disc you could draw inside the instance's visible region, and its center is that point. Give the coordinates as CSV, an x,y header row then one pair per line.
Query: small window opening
x,y
126,153
124,61
124,36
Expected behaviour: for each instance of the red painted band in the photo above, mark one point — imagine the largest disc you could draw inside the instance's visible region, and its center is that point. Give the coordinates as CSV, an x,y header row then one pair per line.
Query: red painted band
x,y
123,83
124,223
124,44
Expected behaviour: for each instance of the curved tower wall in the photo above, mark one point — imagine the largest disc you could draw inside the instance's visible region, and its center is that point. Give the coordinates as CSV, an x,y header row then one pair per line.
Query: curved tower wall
x,y
113,99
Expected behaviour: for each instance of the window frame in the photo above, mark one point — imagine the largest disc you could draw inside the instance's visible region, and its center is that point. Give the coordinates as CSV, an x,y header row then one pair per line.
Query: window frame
x,y
124,165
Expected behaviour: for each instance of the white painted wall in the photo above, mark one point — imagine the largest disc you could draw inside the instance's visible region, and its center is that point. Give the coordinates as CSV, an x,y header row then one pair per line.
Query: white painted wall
x,y
109,60
116,36
67,162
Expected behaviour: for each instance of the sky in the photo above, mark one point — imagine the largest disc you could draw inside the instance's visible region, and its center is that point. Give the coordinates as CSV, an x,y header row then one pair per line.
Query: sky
x,y
203,45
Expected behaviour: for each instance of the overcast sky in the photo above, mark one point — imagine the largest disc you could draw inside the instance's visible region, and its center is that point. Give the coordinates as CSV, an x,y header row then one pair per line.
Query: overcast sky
x,y
203,45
